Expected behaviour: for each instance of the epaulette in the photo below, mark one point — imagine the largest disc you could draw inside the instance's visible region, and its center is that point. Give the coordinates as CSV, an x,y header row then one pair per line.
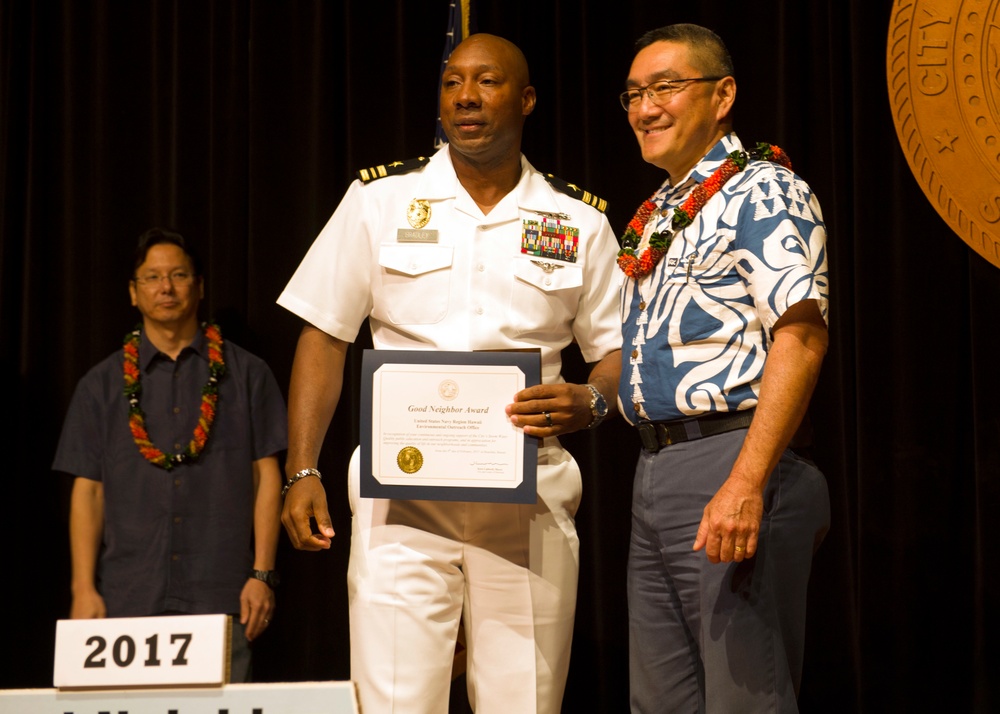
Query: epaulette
x,y
576,192
394,169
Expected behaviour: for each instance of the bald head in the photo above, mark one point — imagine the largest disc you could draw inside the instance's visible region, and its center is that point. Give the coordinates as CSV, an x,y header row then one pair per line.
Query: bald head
x,y
505,53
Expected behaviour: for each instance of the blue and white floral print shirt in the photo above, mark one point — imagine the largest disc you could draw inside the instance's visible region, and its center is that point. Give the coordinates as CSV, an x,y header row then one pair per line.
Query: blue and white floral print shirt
x,y
697,329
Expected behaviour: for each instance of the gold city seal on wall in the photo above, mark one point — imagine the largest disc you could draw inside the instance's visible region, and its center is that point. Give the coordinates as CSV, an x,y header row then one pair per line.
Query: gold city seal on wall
x,y
944,87
409,459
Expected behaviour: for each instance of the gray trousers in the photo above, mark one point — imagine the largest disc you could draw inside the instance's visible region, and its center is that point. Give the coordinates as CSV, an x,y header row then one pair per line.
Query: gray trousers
x,y
726,637
240,663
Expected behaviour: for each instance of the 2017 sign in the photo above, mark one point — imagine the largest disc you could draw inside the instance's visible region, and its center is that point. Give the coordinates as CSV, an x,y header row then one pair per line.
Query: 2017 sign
x,y
183,650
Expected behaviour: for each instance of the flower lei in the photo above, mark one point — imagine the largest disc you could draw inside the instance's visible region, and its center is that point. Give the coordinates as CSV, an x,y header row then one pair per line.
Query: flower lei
x,y
209,398
659,242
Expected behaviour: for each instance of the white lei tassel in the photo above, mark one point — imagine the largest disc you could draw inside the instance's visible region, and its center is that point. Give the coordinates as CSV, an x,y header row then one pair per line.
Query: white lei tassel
x,y
636,379
642,319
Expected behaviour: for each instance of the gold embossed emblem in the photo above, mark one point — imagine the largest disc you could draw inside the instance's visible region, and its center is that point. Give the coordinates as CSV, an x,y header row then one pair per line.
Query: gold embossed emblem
x,y
418,213
448,389
941,61
409,459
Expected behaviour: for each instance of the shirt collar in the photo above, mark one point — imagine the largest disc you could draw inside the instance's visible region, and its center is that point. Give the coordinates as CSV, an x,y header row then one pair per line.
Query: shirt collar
x,y
535,196
439,181
708,163
148,351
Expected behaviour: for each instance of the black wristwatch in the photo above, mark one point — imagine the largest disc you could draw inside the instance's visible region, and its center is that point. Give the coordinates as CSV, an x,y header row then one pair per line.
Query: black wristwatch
x,y
598,406
268,577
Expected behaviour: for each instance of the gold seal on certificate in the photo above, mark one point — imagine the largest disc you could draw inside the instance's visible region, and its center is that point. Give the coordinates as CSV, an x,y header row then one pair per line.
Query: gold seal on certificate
x,y
409,459
418,213
448,389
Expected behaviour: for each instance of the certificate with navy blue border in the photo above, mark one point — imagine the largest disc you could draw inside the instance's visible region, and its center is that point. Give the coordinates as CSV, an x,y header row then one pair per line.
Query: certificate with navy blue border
x,y
434,426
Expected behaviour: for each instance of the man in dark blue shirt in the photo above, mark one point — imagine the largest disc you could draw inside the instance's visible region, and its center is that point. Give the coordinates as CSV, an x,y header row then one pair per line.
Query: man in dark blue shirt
x,y
173,440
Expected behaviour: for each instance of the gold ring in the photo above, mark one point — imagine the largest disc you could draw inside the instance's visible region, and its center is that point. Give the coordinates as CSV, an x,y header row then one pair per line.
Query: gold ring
x,y
739,548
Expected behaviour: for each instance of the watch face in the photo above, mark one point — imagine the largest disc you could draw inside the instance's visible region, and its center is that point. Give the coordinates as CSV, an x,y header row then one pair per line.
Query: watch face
x,y
599,408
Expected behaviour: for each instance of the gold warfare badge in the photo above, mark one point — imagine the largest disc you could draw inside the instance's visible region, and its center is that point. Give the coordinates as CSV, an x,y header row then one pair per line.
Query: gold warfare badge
x,y
409,459
941,62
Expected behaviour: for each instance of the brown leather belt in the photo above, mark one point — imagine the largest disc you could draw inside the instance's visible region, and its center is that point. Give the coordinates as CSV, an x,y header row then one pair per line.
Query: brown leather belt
x,y
657,434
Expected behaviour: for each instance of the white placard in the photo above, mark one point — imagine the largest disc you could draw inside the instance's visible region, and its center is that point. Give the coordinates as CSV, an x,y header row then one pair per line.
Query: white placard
x,y
124,652
293,698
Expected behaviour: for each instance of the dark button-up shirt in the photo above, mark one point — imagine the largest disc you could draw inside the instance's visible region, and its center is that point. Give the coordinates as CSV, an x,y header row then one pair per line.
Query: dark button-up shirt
x,y
179,540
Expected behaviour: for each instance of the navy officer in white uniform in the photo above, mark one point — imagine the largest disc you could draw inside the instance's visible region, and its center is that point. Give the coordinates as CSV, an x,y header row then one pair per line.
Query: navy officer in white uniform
x,y
518,261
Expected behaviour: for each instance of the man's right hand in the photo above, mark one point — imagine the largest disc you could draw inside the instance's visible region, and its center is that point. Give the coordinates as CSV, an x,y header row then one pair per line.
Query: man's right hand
x,y
306,499
88,606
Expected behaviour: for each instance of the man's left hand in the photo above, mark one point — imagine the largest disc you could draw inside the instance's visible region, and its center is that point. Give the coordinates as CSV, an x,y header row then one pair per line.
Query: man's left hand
x,y
551,409
256,607
731,522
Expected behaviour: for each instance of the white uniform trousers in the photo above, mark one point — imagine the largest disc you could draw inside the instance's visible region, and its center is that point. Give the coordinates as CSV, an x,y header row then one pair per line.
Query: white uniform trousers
x,y
508,572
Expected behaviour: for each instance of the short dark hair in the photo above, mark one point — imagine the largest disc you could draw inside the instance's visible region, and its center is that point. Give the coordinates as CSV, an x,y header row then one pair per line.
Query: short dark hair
x,y
708,52
157,236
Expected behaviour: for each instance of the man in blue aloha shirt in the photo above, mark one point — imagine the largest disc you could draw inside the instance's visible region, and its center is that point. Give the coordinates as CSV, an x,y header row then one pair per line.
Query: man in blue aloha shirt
x,y
724,310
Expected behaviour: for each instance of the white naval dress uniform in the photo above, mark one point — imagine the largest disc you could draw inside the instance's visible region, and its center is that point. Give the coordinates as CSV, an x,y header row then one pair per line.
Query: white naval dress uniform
x,y
417,567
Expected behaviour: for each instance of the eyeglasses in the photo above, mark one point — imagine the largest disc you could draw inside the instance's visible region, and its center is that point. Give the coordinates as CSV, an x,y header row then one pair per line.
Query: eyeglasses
x,y
659,93
178,278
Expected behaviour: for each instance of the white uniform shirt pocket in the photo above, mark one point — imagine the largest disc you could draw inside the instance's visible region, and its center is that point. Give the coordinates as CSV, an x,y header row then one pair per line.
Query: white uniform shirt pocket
x,y
416,282
542,299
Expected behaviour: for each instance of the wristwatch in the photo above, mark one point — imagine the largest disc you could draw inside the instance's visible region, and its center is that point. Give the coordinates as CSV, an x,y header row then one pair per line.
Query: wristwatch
x,y
268,577
598,406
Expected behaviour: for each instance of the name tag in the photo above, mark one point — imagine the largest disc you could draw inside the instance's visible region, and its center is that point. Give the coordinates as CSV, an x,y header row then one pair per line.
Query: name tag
x,y
120,652
406,235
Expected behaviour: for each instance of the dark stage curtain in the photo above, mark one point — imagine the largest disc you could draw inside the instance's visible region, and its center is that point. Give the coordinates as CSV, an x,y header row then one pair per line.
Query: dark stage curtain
x,y
241,123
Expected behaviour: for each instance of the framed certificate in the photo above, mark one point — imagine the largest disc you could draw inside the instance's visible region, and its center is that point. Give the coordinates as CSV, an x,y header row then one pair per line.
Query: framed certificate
x,y
435,428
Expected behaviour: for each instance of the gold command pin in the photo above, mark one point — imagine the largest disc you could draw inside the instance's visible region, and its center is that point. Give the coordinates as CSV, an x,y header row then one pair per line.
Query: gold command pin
x,y
418,213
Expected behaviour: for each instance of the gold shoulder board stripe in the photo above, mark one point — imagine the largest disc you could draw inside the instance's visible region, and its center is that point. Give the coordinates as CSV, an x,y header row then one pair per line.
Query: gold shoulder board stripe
x,y
576,192
396,168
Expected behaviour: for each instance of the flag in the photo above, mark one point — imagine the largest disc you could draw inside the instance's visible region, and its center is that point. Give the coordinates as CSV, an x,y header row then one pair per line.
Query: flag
x,y
461,24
